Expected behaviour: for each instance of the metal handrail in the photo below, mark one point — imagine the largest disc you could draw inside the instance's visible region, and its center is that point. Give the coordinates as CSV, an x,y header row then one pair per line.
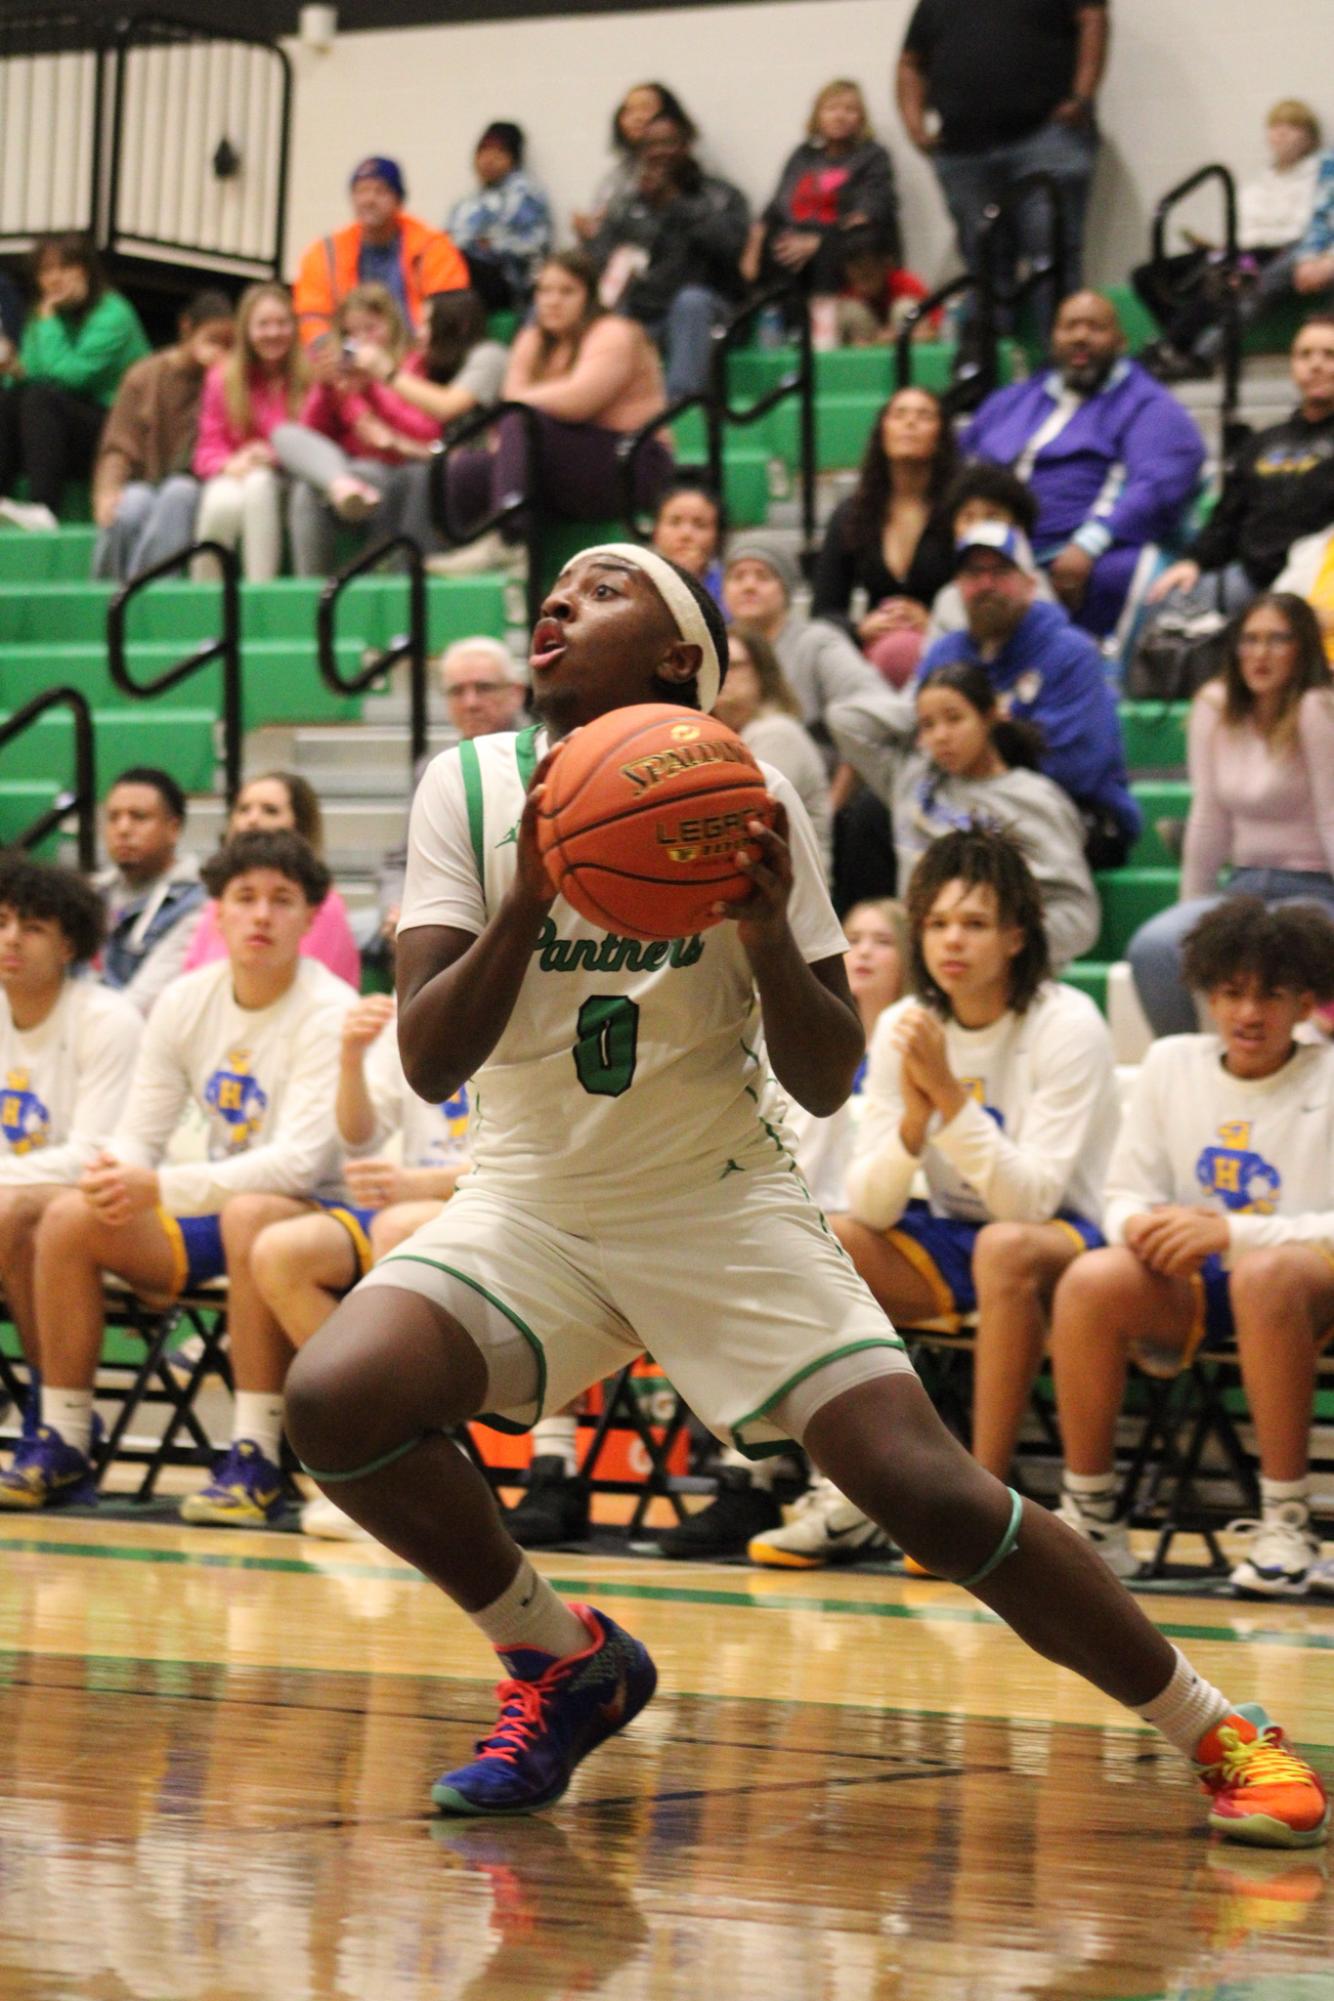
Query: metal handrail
x,y
227,648
1230,325
1053,266
83,799
799,383
512,506
412,647
978,376
634,443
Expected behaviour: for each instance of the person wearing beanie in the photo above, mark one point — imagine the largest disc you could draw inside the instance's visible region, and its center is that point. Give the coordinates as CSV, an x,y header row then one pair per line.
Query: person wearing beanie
x,y
504,227
819,661
383,245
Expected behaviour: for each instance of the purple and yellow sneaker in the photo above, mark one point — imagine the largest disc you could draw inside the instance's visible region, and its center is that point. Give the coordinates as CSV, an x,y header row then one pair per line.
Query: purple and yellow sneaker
x,y
246,1491
552,1714
47,1473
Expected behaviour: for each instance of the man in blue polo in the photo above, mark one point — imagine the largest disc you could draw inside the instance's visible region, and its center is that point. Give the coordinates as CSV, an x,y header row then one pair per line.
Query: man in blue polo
x,y
1111,457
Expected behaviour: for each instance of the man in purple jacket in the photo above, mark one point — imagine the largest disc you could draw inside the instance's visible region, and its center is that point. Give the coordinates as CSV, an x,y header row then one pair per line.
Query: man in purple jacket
x,y
1110,455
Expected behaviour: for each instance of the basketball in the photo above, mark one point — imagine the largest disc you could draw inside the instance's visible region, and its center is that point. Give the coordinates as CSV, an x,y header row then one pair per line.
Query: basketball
x,y
644,814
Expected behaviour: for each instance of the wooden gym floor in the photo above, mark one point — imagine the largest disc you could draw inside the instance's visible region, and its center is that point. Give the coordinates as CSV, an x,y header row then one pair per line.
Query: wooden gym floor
x,y
215,1751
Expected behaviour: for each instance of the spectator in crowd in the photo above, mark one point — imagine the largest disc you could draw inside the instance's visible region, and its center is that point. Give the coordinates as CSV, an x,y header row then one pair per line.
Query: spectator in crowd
x,y
383,245
820,663
1309,574
982,491
1314,273
744,1505
1043,669
962,761
253,1043
303,1264
1273,214
151,894
77,343
459,369
67,1050
642,103
891,539
144,494
1012,85
1111,456
757,703
284,802
688,529
670,252
1261,761
1220,1223
260,385
998,1087
504,228
13,312
592,377
876,295
354,428
836,188
1280,490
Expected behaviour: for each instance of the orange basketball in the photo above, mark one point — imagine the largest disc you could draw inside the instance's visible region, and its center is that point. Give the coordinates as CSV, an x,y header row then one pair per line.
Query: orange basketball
x,y
644,814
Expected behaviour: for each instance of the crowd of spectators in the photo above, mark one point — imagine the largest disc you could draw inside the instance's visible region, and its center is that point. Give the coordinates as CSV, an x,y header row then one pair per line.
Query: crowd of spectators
x,y
942,701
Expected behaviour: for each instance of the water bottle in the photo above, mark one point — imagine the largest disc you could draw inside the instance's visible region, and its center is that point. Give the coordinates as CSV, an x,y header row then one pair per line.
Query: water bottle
x,y
770,327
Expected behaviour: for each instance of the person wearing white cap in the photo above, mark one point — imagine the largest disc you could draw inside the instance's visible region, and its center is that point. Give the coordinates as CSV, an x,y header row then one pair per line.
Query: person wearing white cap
x,y
1045,672
633,1192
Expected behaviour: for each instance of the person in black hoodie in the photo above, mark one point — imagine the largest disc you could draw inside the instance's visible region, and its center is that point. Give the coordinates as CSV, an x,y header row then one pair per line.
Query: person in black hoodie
x,y
838,181
670,252
1281,489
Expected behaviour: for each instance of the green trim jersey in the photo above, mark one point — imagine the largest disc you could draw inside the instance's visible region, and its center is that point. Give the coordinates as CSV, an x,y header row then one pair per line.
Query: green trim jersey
x,y
621,1060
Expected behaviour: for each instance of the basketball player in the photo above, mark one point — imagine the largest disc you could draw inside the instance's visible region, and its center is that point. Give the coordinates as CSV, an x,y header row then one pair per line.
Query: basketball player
x,y
1220,1215
629,1193
253,1040
67,1049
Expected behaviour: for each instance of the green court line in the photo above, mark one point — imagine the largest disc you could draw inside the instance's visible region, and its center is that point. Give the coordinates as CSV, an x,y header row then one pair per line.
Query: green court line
x,y
670,1594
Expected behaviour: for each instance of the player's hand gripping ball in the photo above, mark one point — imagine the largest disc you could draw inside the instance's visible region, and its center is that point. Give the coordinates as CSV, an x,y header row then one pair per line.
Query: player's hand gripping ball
x,y
643,815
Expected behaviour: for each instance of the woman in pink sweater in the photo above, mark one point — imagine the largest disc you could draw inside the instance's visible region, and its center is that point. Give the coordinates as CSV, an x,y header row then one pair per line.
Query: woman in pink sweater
x,y
284,799
354,428
261,384
1261,761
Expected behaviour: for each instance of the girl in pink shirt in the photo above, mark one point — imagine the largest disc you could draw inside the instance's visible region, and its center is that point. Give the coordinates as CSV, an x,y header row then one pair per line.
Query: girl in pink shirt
x,y
260,385
284,799
1261,760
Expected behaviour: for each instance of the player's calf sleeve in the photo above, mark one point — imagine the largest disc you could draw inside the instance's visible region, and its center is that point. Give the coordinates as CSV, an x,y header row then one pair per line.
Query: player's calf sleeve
x,y
377,1465
1008,1543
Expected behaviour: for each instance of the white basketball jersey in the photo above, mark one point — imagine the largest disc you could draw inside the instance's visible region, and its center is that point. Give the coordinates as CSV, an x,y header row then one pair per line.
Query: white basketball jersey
x,y
621,1060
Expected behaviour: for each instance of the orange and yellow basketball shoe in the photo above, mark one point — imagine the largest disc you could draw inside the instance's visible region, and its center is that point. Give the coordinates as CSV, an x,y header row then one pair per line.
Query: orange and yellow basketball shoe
x,y
1261,1791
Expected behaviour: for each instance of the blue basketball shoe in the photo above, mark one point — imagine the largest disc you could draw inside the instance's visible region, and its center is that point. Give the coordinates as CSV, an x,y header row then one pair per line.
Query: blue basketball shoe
x,y
552,1714
47,1473
246,1491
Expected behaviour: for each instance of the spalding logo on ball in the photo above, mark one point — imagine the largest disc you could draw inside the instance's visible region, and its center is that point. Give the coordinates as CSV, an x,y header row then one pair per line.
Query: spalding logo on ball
x,y
645,812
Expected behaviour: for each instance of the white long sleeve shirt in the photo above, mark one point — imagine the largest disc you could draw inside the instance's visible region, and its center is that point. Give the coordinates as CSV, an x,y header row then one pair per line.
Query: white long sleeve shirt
x,y
1260,1151
265,1079
64,1083
1034,1137
432,1135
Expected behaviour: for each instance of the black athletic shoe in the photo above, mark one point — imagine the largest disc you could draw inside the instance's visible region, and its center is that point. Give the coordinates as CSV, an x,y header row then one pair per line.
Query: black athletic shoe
x,y
738,1511
553,1510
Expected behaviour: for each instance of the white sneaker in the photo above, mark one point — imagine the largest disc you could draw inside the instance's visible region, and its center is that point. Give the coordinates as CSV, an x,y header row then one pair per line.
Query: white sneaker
x,y
30,514
1284,1552
1110,1539
488,552
823,1528
321,1518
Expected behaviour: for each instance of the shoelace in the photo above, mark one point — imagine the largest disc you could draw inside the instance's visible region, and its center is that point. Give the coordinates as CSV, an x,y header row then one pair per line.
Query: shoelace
x,y
521,1704
1264,1760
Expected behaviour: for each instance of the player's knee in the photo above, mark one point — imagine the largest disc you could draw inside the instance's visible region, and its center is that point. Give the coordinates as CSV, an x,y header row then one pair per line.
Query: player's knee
x,y
320,1403
1089,1292
66,1224
241,1222
274,1262
20,1213
1267,1282
1005,1254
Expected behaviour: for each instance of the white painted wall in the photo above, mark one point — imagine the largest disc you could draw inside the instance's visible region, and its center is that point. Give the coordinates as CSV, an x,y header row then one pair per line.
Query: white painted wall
x,y
1189,80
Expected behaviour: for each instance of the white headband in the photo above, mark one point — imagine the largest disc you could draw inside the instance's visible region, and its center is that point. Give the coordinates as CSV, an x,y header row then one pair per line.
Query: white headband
x,y
691,624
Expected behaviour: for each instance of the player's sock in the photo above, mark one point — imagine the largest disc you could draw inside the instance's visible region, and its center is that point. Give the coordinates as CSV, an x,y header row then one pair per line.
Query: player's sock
x,y
70,1412
1187,1709
259,1417
528,1614
1094,1493
1276,1494
557,1438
